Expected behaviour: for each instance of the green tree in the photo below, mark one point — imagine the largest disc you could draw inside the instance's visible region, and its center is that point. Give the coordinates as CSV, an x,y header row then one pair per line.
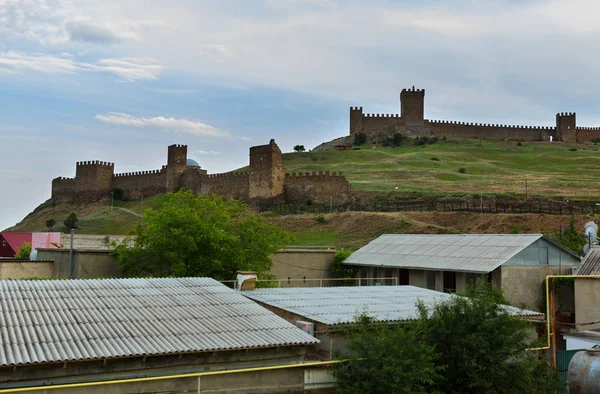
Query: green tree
x,y
360,138
385,359
50,223
299,148
70,221
338,268
571,238
200,236
24,252
482,347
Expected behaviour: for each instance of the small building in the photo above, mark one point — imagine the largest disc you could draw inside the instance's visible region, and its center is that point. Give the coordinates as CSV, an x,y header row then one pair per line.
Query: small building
x,y
75,331
582,339
10,242
324,310
516,263
587,292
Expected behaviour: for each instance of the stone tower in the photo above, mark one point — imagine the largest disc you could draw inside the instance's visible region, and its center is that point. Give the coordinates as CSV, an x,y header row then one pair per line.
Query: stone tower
x,y
412,105
356,120
266,173
176,162
566,123
93,180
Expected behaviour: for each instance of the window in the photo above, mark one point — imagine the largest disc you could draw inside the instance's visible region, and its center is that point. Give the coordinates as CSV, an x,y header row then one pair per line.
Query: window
x,y
430,277
449,282
403,277
3,242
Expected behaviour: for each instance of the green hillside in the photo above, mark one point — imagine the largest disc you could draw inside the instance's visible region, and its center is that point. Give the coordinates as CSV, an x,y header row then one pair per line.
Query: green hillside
x,y
550,169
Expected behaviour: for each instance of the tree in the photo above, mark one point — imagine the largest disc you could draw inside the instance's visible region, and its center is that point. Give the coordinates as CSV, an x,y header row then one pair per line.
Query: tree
x,y
50,223
482,347
24,252
385,359
200,236
299,148
360,138
70,221
572,239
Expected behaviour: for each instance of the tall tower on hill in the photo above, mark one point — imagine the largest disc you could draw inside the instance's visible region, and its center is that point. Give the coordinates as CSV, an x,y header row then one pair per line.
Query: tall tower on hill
x,y
176,162
267,175
412,105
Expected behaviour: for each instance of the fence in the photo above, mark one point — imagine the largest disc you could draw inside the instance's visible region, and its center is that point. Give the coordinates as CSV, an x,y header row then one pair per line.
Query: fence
x,y
548,208
563,358
319,282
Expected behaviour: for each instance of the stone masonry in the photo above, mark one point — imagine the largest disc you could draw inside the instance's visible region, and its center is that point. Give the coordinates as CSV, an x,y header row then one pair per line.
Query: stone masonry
x,y
266,181
411,122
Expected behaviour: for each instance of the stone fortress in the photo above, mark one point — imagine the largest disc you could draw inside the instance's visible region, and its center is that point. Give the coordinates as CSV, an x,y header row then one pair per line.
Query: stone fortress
x,y
411,122
265,182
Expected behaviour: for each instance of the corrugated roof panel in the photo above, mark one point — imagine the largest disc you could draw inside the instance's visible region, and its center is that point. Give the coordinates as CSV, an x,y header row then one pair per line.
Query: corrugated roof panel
x,y
591,263
50,321
340,305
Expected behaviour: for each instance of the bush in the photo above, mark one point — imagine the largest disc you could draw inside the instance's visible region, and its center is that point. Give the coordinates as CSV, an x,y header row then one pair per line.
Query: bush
x,y
70,221
462,170
338,268
355,148
397,139
596,140
519,144
320,219
118,194
572,149
24,252
360,139
434,159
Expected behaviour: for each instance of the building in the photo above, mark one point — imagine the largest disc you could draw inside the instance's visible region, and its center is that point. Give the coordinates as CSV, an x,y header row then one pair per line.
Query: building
x,y
411,122
327,309
587,292
10,243
516,263
66,331
266,181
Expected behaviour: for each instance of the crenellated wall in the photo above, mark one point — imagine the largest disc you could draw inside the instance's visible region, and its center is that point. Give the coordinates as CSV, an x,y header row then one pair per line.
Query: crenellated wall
x,y
318,187
586,134
136,184
489,131
227,185
93,180
63,189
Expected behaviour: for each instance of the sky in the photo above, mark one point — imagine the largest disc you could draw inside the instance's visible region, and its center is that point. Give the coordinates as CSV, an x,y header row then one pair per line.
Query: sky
x,y
119,81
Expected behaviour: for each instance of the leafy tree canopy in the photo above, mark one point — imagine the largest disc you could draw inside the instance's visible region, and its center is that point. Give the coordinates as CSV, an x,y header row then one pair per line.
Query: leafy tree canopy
x,y
24,252
70,221
50,223
299,148
200,236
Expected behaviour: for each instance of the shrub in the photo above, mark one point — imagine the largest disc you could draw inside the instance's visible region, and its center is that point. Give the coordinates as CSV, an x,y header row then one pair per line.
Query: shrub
x,y
397,139
572,149
24,252
320,219
309,202
355,148
519,144
338,268
70,221
596,140
434,159
462,170
118,194
360,139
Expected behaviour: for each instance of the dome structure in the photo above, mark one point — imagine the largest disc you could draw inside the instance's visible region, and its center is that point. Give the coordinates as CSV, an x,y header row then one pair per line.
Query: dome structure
x,y
192,163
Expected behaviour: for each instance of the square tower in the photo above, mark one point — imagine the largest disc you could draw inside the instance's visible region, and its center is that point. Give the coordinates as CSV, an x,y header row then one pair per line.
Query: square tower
x,y
412,105
176,162
93,180
267,175
566,124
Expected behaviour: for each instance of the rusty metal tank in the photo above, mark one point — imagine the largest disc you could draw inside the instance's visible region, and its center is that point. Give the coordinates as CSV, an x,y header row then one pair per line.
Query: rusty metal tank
x,y
584,372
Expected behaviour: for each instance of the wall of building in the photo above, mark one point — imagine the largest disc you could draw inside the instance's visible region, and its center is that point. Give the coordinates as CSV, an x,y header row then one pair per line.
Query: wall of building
x,y
380,123
26,269
136,184
524,287
544,253
88,264
91,241
302,264
587,301
320,188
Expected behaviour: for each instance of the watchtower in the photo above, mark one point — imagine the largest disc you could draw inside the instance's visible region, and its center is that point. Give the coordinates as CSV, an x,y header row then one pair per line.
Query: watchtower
x,y
566,124
356,120
412,104
176,162
266,173
93,180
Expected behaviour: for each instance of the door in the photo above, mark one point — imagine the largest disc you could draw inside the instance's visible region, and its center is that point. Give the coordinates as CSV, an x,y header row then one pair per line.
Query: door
x,y
403,277
449,282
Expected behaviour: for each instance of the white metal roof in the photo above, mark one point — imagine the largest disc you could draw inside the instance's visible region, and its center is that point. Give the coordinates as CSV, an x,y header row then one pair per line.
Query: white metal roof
x,y
479,253
68,320
340,305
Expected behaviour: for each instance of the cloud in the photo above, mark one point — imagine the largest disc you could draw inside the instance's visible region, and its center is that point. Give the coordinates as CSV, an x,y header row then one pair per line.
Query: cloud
x,y
207,152
129,69
91,33
164,123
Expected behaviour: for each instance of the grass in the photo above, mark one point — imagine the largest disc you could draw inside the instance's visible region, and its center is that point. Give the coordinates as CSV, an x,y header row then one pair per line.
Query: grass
x,y
550,169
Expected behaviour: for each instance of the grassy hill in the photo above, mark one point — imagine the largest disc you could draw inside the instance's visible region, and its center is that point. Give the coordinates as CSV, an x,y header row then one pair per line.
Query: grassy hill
x,y
550,169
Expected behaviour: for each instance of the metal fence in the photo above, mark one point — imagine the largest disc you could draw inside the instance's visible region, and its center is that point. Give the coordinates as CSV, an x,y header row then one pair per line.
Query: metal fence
x,y
548,208
563,358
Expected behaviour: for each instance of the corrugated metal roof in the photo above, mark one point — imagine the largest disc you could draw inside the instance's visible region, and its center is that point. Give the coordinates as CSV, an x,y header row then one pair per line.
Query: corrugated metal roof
x,y
480,253
68,320
591,263
340,305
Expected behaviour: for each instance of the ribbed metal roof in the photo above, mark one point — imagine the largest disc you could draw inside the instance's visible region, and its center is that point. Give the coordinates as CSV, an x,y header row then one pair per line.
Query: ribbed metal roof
x,y
68,320
591,263
340,305
480,253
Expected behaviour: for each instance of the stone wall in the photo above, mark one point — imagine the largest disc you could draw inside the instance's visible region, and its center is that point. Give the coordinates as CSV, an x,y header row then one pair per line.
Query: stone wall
x,y
93,180
489,131
320,188
63,189
586,134
266,174
228,185
134,184
302,265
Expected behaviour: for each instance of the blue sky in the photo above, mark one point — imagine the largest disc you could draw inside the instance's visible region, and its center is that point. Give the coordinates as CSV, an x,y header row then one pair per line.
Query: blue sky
x,y
119,81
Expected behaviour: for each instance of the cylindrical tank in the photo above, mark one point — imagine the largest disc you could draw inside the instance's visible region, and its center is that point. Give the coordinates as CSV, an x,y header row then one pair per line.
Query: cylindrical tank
x,y
584,372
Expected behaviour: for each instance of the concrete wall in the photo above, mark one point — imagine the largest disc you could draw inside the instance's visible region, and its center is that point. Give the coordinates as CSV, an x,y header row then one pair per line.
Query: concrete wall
x,y
587,304
302,263
320,188
26,269
544,253
88,264
91,241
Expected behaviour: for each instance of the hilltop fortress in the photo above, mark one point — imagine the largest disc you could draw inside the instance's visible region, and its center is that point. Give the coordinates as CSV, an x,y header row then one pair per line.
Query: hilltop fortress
x,y
411,122
265,182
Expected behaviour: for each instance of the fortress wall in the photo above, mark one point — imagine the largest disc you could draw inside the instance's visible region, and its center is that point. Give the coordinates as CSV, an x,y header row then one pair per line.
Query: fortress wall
x,y
93,180
320,188
63,189
134,184
586,134
227,185
379,123
490,131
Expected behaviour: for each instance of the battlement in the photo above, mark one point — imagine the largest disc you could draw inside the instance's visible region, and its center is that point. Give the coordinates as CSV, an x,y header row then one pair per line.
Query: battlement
x,y
314,174
565,114
177,146
95,163
455,123
588,128
381,115
413,90
63,179
356,109
227,175
137,173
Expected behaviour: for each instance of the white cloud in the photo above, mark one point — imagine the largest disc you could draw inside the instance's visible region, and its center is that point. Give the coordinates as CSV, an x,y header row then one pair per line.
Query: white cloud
x,y
207,152
164,123
129,69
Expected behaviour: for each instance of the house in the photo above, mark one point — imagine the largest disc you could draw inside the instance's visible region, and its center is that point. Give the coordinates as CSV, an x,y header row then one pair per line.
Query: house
x,y
324,310
587,292
516,263
10,243
65,331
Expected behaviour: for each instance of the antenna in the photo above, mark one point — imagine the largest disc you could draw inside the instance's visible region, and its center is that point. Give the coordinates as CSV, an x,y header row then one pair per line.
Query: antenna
x,y
591,234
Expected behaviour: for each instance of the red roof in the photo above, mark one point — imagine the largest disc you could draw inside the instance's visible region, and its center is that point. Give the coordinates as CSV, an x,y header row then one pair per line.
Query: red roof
x,y
16,240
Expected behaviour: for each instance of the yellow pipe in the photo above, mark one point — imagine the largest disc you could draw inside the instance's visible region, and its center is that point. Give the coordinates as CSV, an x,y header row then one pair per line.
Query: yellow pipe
x,y
167,377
